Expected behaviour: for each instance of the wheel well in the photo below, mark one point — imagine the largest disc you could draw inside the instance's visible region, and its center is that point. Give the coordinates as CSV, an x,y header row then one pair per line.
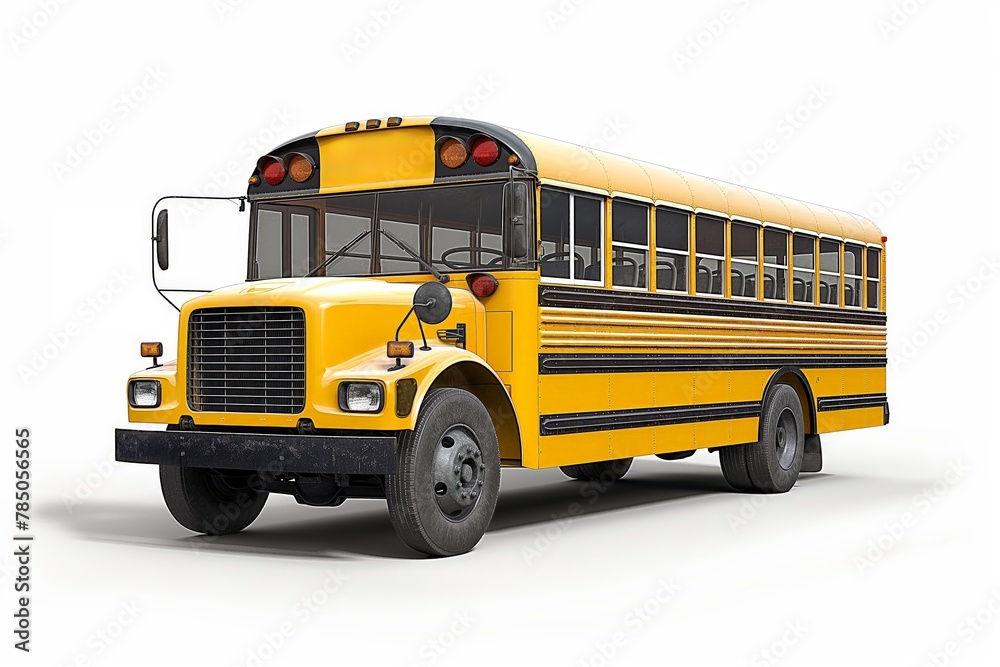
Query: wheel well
x,y
794,378
482,384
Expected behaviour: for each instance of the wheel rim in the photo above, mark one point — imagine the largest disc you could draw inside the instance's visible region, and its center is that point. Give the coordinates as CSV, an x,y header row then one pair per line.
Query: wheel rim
x,y
459,472
786,439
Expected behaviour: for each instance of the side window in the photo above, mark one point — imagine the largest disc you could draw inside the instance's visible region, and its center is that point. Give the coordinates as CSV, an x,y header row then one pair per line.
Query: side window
x,y
300,244
775,264
710,254
672,250
829,272
268,252
743,267
572,236
804,271
874,275
852,275
630,243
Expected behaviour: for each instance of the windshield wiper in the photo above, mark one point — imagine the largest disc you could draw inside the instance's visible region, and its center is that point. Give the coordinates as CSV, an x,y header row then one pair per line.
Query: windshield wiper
x,y
409,251
337,255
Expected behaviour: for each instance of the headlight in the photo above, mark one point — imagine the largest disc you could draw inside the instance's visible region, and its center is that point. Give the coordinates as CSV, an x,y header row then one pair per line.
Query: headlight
x,y
360,396
144,393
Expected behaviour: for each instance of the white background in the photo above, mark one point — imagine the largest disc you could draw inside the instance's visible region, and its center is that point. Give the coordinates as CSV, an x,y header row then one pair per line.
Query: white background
x,y
879,560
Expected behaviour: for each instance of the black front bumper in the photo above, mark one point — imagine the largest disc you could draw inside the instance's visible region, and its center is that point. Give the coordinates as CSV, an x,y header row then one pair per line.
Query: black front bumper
x,y
278,453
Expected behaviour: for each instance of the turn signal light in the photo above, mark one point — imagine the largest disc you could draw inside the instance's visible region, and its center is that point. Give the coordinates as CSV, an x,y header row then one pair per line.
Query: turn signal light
x,y
399,349
300,167
152,350
482,284
452,152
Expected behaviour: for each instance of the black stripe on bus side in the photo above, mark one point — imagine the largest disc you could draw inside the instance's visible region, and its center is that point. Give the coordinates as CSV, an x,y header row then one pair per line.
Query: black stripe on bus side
x,y
558,364
605,420
829,403
576,297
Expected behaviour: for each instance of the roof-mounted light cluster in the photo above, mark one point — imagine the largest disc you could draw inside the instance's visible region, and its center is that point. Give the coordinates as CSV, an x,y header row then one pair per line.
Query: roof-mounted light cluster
x,y
484,151
297,166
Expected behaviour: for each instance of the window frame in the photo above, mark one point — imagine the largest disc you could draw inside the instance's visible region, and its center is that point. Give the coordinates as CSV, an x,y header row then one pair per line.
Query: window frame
x,y
765,265
656,248
731,259
859,276
629,246
602,200
717,217
877,249
815,267
840,265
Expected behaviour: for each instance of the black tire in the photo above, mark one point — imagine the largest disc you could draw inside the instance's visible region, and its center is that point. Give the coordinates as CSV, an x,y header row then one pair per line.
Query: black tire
x,y
606,471
206,502
773,464
442,497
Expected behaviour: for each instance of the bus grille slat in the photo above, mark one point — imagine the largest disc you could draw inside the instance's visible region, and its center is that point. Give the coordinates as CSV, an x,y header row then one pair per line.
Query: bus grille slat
x,y
247,359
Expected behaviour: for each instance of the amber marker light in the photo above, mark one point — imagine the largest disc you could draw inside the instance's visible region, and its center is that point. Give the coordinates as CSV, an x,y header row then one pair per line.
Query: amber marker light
x,y
300,167
399,349
452,153
253,180
512,160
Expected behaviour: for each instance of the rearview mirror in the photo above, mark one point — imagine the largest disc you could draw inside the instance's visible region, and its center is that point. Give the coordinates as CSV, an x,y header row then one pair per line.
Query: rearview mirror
x,y
516,196
432,303
162,241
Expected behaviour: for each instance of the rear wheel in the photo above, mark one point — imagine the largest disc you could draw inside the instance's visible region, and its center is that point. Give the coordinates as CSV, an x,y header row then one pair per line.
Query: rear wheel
x,y
608,471
204,501
773,464
447,479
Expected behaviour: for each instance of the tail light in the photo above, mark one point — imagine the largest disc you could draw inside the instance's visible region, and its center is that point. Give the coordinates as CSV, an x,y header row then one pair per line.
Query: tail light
x,y
482,284
272,170
299,166
452,153
485,151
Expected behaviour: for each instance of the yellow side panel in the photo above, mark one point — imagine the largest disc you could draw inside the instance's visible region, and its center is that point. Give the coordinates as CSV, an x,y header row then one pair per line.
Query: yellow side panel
x,y
876,381
632,442
674,389
830,420
561,450
742,431
499,346
630,390
711,434
855,381
572,393
674,438
747,385
404,156
842,420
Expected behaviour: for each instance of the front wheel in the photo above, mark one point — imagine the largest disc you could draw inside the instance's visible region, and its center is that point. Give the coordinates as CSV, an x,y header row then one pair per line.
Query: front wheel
x,y
204,501
447,479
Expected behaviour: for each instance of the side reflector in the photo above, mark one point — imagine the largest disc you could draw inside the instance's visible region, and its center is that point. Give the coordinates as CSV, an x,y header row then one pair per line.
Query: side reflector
x,y
399,349
153,350
300,167
452,152
485,151
482,284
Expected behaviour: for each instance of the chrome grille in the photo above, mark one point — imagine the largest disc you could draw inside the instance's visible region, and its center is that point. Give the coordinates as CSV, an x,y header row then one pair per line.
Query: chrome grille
x,y
247,360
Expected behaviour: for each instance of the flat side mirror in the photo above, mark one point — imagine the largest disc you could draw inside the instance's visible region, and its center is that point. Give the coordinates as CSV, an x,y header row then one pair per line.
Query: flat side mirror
x,y
516,196
162,241
432,303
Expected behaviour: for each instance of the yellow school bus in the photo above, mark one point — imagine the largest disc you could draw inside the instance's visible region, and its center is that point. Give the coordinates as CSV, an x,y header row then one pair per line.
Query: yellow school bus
x,y
431,299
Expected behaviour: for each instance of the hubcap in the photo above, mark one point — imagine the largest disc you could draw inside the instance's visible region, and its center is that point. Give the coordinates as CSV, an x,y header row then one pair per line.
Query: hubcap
x,y
459,472
786,439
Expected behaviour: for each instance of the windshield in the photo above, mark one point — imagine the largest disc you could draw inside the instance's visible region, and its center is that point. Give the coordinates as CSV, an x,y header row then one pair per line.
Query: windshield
x,y
452,228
